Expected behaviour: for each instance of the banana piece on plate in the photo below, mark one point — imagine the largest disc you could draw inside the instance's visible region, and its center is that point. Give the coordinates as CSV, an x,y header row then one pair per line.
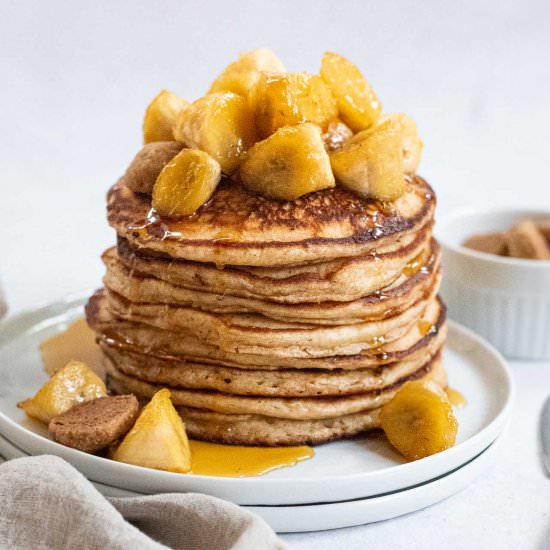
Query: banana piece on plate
x,y
220,124
185,183
290,163
419,420
161,116
370,164
73,384
158,439
358,105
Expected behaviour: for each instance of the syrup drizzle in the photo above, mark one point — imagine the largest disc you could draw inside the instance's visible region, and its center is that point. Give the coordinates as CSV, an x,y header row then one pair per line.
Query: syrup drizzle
x,y
238,461
418,263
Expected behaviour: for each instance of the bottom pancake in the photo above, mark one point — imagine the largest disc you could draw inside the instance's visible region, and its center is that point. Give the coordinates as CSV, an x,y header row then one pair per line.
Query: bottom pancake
x,y
248,429
260,429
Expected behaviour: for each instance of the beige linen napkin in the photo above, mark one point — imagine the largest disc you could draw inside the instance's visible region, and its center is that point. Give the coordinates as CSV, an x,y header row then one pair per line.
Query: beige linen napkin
x,y
46,504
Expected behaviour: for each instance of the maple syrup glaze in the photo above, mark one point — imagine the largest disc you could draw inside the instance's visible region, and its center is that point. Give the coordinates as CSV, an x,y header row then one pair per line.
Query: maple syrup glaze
x,y
233,207
416,264
456,398
425,327
77,342
213,459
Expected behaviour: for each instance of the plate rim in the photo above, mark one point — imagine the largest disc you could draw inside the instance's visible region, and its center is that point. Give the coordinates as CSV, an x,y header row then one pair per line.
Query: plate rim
x,y
387,506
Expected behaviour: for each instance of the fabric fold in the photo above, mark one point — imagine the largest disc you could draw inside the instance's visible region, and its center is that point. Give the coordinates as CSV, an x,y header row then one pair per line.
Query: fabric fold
x,y
48,504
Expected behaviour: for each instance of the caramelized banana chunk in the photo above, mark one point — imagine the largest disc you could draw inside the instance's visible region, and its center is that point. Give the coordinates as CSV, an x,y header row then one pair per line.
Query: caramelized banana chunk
x,y
336,135
358,105
161,115
291,98
242,75
144,170
158,439
73,384
221,124
419,420
290,163
185,183
370,163
411,144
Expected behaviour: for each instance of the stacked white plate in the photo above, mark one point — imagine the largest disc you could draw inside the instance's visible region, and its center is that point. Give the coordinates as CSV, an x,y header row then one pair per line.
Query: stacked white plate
x,y
346,483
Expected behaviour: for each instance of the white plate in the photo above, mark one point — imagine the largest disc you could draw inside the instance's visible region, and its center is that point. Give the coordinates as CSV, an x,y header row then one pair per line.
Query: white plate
x,y
339,471
320,517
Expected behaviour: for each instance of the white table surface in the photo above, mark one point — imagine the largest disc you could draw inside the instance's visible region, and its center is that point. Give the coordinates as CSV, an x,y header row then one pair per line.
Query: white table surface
x,y
475,75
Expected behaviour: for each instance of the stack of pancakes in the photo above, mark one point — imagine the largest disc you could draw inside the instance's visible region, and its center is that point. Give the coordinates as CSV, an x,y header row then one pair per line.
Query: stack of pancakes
x,y
272,323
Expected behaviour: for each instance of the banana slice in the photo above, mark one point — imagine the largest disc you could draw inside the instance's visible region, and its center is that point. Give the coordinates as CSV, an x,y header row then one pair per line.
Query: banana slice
x,y
290,163
411,144
370,163
358,105
419,420
242,75
291,98
161,115
221,124
185,183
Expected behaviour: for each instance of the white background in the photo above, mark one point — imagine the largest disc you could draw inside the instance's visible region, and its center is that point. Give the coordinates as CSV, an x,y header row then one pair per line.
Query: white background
x,y
75,80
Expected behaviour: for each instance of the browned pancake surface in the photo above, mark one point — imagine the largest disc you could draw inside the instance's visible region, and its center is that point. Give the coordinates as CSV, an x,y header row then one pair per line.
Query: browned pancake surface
x,y
237,227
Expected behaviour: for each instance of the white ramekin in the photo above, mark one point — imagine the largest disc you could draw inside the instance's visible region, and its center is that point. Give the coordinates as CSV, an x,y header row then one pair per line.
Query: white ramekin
x,y
506,300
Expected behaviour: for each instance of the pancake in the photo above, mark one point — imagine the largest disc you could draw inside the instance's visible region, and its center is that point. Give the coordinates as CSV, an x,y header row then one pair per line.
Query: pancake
x,y
253,429
256,334
299,408
180,346
258,430
420,278
248,429
237,227
342,279
272,322
267,431
275,382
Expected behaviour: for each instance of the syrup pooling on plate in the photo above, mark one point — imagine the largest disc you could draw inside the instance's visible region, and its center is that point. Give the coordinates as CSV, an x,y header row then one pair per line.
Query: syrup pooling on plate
x,y
213,459
77,343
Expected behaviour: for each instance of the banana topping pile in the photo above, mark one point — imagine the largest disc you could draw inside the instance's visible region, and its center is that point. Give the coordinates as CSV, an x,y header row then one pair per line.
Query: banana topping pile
x,y
280,134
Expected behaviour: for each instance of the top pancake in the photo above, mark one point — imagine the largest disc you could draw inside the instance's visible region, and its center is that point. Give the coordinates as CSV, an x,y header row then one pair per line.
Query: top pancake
x,y
237,227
